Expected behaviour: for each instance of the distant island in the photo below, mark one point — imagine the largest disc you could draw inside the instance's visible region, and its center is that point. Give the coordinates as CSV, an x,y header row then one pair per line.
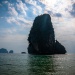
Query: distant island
x,y
3,50
42,37
11,51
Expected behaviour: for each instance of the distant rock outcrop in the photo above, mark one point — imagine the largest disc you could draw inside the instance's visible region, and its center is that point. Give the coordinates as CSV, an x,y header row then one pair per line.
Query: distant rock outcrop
x,y
3,50
11,51
42,38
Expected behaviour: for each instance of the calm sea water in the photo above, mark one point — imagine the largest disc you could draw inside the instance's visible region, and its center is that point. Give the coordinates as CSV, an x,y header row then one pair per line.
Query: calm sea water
x,y
25,64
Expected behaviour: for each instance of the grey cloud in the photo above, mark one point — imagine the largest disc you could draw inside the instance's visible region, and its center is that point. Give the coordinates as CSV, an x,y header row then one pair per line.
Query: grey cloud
x,y
72,12
50,12
58,15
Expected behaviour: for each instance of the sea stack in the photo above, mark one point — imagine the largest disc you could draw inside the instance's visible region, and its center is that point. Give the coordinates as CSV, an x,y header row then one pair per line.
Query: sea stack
x,y
11,51
3,50
42,38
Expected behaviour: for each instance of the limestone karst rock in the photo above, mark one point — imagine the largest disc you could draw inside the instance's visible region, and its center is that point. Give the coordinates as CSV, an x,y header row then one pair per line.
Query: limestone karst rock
x,y
59,49
11,51
3,50
42,38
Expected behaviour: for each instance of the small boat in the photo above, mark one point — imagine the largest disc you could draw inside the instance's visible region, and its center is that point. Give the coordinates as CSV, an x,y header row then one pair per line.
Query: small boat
x,y
23,52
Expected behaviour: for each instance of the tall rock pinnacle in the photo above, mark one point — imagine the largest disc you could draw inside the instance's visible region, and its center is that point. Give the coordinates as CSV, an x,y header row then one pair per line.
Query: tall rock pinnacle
x,y
42,38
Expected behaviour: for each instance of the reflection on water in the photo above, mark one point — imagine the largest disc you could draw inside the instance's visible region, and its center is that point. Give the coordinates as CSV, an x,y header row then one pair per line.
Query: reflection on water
x,y
24,64
41,65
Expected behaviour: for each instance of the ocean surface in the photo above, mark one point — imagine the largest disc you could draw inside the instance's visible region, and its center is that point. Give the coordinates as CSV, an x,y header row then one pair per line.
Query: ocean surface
x,y
25,64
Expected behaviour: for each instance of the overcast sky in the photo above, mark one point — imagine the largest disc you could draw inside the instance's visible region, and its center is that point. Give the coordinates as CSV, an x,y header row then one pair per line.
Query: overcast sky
x,y
16,19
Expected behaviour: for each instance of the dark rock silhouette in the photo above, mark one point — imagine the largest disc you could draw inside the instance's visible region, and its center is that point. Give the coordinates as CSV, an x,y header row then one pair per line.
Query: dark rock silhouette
x,y
60,49
3,50
23,52
42,38
11,51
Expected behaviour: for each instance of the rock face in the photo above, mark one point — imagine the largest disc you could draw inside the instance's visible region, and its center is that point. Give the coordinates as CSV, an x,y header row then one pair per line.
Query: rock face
x,y
11,51
3,50
59,49
42,38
